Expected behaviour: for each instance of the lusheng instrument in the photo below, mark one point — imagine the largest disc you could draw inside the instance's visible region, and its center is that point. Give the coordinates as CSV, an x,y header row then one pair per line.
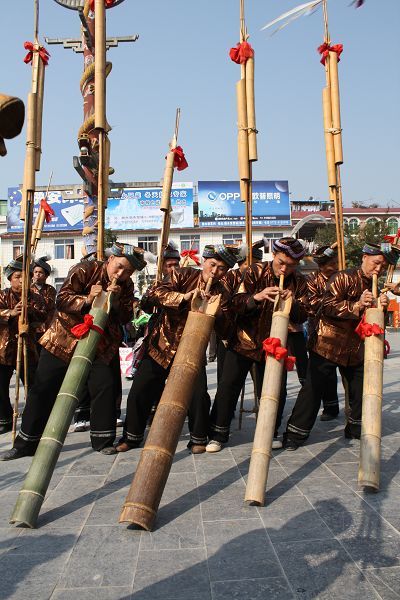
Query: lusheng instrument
x,y
262,446
371,424
151,475
32,494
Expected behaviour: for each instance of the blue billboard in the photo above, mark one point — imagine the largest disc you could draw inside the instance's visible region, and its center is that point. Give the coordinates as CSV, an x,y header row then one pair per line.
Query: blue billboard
x,y
67,206
220,204
139,208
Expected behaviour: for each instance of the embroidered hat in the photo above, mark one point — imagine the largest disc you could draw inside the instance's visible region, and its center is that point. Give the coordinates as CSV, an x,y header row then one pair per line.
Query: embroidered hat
x,y
389,251
228,254
133,254
13,266
42,263
289,246
171,251
324,254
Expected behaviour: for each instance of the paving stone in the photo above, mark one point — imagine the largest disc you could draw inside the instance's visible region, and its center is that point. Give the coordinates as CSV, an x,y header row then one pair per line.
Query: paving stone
x,y
33,576
108,593
385,581
103,556
224,504
273,588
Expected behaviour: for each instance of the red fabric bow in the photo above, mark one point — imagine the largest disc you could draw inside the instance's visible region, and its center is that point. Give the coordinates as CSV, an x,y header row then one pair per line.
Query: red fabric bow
x,y
325,48
44,55
272,347
108,3
180,161
391,238
48,211
364,329
80,330
191,254
241,53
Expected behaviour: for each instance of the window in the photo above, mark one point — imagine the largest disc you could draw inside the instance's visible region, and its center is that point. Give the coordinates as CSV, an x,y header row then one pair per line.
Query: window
x,y
274,236
58,281
190,242
353,224
64,249
232,238
18,249
393,225
148,243
372,221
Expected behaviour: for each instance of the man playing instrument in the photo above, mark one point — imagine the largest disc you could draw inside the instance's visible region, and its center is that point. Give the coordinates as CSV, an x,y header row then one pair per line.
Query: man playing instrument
x,y
336,343
85,281
10,310
174,296
41,271
253,304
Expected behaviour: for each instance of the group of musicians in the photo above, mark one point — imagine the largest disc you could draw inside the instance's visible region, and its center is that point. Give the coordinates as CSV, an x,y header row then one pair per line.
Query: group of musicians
x,y
332,304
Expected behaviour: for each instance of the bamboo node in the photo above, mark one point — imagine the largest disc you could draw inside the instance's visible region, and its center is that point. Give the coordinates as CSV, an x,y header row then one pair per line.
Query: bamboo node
x,y
334,130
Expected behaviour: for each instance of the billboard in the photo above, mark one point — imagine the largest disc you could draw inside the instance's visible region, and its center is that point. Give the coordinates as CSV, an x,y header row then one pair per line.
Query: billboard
x,y
67,206
139,208
129,208
220,205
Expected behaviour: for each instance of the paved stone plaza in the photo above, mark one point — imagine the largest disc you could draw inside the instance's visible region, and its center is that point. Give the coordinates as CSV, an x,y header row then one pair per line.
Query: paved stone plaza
x,y
317,537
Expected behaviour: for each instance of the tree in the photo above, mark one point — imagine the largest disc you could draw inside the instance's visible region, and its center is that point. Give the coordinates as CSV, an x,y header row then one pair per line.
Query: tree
x,y
109,238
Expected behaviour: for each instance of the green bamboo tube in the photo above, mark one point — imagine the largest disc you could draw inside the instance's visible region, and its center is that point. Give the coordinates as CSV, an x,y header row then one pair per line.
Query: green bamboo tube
x,y
167,182
243,138
335,102
371,424
268,409
32,494
329,147
100,66
143,499
251,110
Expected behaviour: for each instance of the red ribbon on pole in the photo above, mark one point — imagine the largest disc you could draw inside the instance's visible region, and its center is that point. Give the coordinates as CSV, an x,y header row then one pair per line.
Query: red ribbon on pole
x,y
44,55
180,161
80,330
108,4
48,211
272,347
391,238
241,53
364,329
193,254
325,48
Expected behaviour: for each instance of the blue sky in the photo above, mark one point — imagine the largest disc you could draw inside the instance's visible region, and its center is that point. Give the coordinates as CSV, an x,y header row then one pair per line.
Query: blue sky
x,y
181,59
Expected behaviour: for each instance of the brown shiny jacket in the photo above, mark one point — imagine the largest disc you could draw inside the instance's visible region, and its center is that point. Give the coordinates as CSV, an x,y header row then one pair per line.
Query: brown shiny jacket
x,y
253,323
9,326
164,339
335,337
48,293
317,284
71,308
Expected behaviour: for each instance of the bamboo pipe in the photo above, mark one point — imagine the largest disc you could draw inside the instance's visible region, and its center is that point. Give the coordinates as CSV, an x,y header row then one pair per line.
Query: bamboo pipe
x,y
249,218
251,110
167,182
151,475
39,113
100,66
341,247
268,409
30,154
163,244
32,494
335,103
100,199
244,191
39,221
371,423
329,147
243,139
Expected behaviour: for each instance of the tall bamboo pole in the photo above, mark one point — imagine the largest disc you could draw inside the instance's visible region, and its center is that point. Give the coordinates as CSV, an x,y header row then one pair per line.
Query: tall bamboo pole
x,y
371,424
262,447
165,205
151,475
32,494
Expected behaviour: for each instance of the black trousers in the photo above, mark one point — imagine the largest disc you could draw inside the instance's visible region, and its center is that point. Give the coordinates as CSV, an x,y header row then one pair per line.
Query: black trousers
x,y
297,346
321,376
235,371
42,395
6,373
147,388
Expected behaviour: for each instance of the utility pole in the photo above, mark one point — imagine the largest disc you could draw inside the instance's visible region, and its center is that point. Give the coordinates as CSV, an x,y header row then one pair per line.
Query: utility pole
x,y
92,164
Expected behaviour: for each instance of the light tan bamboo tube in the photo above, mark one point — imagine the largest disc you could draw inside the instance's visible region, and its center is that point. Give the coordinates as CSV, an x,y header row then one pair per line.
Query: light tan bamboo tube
x,y
243,140
251,110
244,190
371,424
163,243
268,410
37,229
341,247
151,475
39,112
106,168
329,147
249,219
100,199
100,121
167,182
335,102
30,155
375,285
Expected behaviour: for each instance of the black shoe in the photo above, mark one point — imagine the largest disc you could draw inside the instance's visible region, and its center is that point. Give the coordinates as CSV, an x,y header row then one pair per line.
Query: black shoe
x,y
351,436
290,445
5,428
328,416
15,453
108,451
